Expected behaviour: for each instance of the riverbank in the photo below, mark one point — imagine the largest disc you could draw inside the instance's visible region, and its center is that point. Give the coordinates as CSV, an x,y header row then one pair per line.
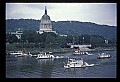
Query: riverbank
x,y
35,50
60,50
105,48
38,50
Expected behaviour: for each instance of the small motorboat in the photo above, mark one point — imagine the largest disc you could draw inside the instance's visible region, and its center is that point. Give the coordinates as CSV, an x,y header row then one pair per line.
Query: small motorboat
x,y
59,57
33,55
103,55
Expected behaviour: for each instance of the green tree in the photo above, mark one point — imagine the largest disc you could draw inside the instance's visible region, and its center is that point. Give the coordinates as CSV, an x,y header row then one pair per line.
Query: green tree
x,y
112,41
29,36
69,39
84,39
97,40
62,41
11,38
50,39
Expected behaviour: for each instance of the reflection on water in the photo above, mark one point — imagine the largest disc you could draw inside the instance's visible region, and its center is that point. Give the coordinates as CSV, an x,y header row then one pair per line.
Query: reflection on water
x,y
45,66
45,61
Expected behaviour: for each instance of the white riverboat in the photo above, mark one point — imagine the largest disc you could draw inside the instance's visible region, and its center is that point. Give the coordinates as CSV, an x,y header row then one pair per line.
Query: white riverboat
x,y
103,55
20,53
45,55
23,54
15,53
72,63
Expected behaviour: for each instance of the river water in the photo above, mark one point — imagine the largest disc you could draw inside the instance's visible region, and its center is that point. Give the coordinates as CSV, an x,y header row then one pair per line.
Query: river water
x,y
30,67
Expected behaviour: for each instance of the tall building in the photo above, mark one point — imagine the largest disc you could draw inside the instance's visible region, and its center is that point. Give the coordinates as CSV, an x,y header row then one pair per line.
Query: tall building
x,y
45,23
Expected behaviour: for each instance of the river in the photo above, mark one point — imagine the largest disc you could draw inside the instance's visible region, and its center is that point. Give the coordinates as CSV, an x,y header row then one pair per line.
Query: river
x,y
30,67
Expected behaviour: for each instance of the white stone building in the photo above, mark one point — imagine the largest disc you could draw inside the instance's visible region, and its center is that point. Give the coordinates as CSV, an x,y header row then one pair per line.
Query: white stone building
x,y
45,24
18,33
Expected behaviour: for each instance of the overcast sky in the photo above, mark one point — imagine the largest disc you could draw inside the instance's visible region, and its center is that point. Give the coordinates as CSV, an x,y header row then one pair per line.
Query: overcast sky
x,y
100,13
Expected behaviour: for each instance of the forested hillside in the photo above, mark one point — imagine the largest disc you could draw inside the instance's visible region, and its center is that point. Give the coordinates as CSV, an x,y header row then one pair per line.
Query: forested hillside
x,y
64,27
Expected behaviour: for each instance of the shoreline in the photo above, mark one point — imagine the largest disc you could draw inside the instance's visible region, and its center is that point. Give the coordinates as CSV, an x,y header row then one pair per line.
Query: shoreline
x,y
64,50
36,50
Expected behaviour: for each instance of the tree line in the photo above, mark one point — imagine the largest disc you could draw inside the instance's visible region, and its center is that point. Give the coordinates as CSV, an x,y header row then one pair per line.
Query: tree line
x,y
52,40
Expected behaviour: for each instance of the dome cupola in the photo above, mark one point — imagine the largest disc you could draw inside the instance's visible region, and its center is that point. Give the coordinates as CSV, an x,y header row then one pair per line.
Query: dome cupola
x,y
45,16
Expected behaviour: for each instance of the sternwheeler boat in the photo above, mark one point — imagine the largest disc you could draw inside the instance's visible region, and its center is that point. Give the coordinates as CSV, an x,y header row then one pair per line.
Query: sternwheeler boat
x,y
72,63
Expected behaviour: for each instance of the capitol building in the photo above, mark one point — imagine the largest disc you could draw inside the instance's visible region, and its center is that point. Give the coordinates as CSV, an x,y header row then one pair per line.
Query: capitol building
x,y
45,26
45,23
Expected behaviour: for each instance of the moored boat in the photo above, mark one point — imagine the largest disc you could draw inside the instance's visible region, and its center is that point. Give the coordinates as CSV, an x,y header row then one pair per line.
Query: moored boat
x,y
20,53
15,53
23,54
